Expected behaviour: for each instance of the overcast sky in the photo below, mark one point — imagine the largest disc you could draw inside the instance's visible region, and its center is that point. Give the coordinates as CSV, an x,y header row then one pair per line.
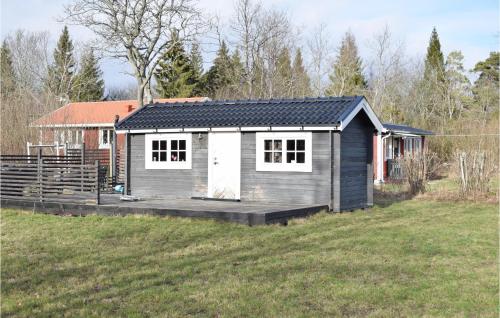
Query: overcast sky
x,y
469,26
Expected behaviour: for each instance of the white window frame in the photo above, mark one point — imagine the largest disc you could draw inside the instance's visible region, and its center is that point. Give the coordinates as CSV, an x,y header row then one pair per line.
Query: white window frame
x,y
261,165
150,164
389,153
109,132
418,145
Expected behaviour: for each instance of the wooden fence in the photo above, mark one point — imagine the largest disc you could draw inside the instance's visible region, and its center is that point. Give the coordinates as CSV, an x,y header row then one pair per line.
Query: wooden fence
x,y
36,178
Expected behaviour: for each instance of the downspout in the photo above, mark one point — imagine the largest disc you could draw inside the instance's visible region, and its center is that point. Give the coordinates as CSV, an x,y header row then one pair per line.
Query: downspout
x,y
331,169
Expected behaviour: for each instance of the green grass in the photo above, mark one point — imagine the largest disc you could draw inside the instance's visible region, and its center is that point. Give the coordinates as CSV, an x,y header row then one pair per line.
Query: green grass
x,y
412,258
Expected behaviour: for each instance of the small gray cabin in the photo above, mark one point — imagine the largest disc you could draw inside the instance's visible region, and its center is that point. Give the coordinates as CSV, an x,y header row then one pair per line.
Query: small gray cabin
x,y
316,151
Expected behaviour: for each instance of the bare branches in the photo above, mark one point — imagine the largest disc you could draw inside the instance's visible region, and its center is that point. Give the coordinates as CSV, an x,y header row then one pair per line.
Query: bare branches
x,y
139,30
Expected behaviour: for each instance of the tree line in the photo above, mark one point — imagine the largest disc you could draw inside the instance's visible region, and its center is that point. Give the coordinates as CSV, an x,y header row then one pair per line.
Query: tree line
x,y
260,53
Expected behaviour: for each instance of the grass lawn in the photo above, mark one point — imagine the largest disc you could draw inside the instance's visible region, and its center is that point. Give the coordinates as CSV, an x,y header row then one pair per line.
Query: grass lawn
x,y
411,258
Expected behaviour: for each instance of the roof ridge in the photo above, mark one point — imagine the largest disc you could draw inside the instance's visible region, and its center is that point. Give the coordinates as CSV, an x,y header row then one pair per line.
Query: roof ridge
x,y
255,101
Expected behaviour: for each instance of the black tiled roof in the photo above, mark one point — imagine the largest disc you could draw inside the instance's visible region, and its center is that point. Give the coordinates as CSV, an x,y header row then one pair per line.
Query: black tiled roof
x,y
406,129
243,113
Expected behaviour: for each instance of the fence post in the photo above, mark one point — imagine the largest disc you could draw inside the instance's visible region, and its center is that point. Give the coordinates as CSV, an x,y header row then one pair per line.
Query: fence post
x,y
98,189
82,153
39,169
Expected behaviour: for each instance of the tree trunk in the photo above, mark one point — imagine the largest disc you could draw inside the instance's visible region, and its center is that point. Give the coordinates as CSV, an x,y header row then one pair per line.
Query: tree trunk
x,y
140,95
148,93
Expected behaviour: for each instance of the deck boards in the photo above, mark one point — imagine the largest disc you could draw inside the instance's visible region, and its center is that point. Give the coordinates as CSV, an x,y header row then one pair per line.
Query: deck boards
x,y
248,212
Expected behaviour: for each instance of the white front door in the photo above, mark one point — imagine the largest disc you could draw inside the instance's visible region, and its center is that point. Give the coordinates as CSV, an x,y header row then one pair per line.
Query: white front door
x,y
224,165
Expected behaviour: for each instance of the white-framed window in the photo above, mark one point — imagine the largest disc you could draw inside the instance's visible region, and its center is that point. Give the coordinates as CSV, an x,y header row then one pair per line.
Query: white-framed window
x,y
284,151
418,145
168,151
70,136
408,142
105,138
388,148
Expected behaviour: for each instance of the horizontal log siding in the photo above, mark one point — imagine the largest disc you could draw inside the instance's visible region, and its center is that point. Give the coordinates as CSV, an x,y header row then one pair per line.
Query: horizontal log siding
x,y
169,183
288,187
356,159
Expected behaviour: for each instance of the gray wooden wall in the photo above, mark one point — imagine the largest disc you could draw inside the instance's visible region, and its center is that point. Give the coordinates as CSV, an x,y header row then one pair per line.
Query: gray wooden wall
x,y
356,156
169,183
291,187
283,186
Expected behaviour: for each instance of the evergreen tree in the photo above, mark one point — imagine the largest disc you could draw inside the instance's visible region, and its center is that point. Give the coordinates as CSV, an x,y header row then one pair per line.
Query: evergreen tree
x,y
237,71
61,71
486,87
283,84
301,81
434,61
347,77
457,96
196,60
175,75
7,76
197,65
219,76
88,84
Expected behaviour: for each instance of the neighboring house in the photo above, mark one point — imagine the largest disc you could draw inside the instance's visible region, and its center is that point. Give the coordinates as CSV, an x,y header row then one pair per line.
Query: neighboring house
x,y
315,151
89,122
395,142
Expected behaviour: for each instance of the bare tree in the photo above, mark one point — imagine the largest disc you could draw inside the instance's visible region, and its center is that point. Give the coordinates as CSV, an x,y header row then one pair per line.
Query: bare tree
x,y
29,99
245,26
388,79
320,54
137,30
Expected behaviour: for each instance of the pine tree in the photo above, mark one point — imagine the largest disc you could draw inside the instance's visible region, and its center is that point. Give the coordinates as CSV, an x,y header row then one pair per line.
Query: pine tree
x,y
347,77
175,75
7,76
219,76
457,96
434,61
61,71
283,82
197,65
486,88
301,80
88,84
237,72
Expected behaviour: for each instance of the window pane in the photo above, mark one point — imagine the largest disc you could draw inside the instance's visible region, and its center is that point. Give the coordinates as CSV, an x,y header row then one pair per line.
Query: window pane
x,y
301,144
290,145
163,145
290,157
155,144
173,144
110,136
268,157
277,145
182,145
277,157
268,144
155,156
163,156
301,157
174,156
104,137
182,156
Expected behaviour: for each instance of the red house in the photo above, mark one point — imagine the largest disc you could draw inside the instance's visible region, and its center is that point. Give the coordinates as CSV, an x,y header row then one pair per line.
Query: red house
x,y
394,142
89,122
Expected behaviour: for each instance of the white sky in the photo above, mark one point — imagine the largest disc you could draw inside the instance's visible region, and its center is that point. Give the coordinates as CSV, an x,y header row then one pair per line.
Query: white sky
x,y
469,26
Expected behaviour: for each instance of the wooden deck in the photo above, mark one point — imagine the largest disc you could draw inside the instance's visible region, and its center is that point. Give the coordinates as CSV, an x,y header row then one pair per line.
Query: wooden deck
x,y
249,213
